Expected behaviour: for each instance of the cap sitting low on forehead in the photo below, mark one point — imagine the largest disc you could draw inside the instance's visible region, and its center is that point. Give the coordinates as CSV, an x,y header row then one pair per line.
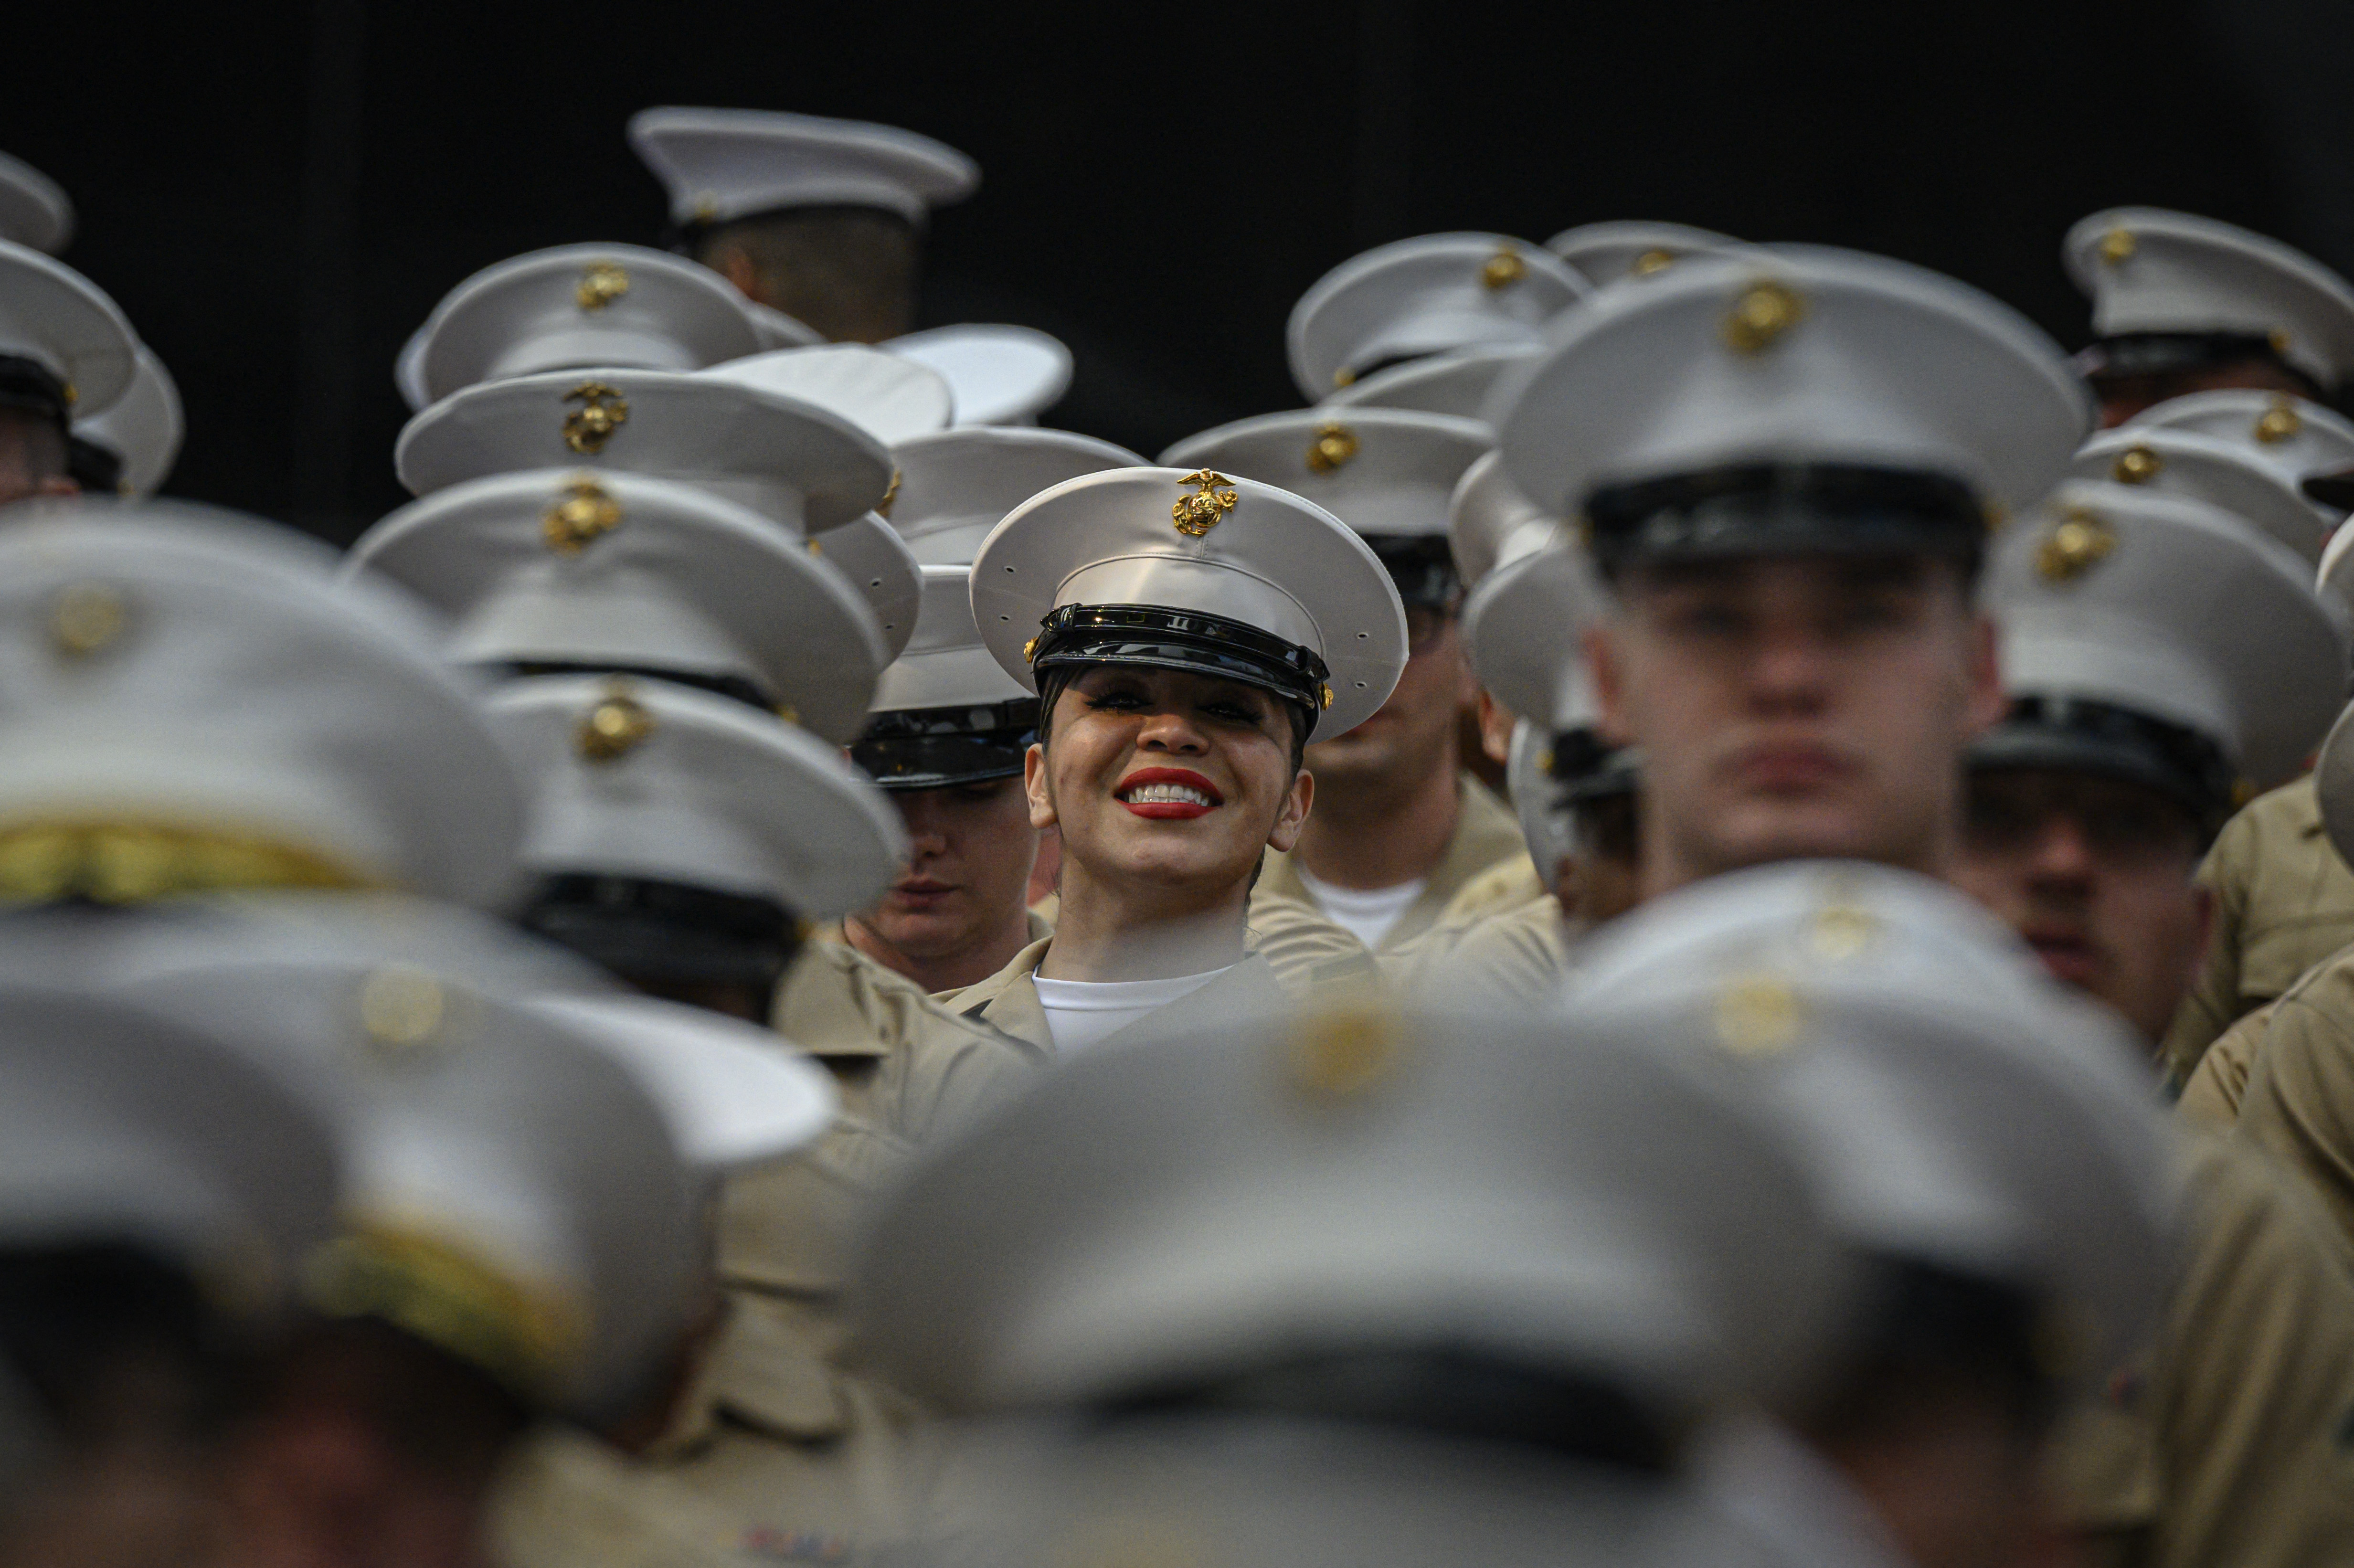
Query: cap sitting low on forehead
x,y
944,712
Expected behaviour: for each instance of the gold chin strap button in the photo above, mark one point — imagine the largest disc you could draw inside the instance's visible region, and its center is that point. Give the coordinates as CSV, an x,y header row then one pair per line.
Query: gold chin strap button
x,y
601,282
1651,261
890,496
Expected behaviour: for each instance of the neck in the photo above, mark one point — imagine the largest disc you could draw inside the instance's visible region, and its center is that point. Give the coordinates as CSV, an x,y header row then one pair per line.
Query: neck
x,y
1669,864
989,950
1378,834
1111,930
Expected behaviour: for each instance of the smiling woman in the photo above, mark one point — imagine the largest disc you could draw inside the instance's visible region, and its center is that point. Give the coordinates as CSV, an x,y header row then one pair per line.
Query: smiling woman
x,y
1187,633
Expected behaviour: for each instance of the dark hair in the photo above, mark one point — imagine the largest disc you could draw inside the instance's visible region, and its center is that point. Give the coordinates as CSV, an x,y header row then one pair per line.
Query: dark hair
x,y
1058,680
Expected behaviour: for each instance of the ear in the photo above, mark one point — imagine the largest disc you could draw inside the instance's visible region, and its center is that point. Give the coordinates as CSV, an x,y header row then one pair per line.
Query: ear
x,y
1496,722
1034,785
1294,815
1986,704
735,264
59,484
1604,659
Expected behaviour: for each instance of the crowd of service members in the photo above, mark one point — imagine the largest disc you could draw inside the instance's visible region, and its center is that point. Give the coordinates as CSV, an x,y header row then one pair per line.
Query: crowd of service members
x,y
1701,918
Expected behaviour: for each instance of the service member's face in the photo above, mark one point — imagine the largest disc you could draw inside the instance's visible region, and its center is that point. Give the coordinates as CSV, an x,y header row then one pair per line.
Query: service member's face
x,y
32,458
1167,777
1414,732
970,848
1790,708
2123,396
2096,874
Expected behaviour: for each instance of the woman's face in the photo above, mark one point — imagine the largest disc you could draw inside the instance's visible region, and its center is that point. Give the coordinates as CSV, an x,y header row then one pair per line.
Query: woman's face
x,y
1168,778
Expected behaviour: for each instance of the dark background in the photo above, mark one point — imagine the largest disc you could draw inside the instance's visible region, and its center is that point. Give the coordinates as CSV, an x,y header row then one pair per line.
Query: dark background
x,y
278,191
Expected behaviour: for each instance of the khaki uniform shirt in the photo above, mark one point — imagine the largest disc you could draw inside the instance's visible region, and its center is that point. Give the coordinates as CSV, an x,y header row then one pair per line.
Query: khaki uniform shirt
x,y
563,1500
1517,956
2226,1443
2210,1100
1299,945
1486,833
2284,902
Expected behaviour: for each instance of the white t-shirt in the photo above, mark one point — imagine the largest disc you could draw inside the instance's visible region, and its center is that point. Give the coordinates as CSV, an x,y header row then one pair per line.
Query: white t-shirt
x,y
1366,914
1081,1012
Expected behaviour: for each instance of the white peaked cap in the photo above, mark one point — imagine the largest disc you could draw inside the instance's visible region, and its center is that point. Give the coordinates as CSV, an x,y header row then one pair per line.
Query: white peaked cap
x,y
143,428
1209,1204
779,330
1263,557
1387,472
1489,522
581,307
876,562
2287,433
35,211
643,779
202,677
54,316
1535,797
1456,383
1792,354
889,397
718,164
800,465
2333,780
1525,628
1633,247
956,485
1425,295
946,665
1959,1107
619,571
2150,270
2225,475
2168,607
1001,375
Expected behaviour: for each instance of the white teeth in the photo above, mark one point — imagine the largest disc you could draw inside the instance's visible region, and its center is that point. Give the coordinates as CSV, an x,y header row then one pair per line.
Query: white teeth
x,y
1167,795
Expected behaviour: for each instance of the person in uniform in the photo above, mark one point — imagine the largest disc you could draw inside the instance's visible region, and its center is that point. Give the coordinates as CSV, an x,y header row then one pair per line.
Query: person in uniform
x,y
1985,1143
1402,825
1214,1292
66,352
2184,305
1186,634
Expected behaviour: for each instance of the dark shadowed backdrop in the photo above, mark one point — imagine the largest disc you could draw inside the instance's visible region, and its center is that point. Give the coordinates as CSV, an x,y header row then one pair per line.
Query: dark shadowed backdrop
x,y
278,191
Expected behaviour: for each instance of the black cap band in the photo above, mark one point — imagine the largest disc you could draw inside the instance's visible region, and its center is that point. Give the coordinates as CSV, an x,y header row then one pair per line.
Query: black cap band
x,y
2178,353
1588,768
98,470
1794,509
2072,736
932,749
647,931
1421,565
28,384
1184,640
735,688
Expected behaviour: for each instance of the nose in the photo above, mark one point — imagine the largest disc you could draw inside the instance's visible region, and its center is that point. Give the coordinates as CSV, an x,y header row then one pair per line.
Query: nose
x,y
926,835
1789,671
2060,856
1167,730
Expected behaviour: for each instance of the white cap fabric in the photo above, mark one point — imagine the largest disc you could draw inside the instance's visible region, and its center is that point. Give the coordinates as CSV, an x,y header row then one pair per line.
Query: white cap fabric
x,y
2336,571
2295,437
1420,296
718,165
1789,355
2224,474
35,211
955,486
1535,796
876,562
143,428
1633,247
1001,375
791,462
619,571
2168,608
889,397
946,665
583,307
1489,522
1456,383
1543,1194
646,779
197,683
1959,1107
1203,543
59,320
1387,472
1525,628
2150,270
2333,780
779,330
409,367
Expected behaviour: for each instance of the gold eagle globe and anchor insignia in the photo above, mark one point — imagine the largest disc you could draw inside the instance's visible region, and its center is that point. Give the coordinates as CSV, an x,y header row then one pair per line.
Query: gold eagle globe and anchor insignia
x,y
603,411
2080,541
586,513
1197,514
1333,446
601,282
616,726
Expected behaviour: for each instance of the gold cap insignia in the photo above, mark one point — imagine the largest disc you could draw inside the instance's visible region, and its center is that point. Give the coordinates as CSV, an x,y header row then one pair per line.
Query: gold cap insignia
x,y
1324,694
2278,338
616,726
601,282
1757,1016
2117,245
1344,377
2136,465
1762,315
72,394
1502,269
1339,1053
2278,423
1651,261
1029,649
2080,541
401,1010
890,495
586,513
1842,930
1197,514
87,619
603,411
1334,445
448,1296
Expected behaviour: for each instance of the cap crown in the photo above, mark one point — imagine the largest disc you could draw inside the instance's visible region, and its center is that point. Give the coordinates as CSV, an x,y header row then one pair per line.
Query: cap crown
x,y
1001,375
54,316
946,665
1387,472
2294,437
35,211
890,396
2228,477
955,486
1620,249
1419,296
722,164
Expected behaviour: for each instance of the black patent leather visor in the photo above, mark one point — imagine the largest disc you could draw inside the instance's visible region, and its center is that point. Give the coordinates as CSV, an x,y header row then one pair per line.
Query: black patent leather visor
x,y
1786,509
1168,638
935,748
2076,736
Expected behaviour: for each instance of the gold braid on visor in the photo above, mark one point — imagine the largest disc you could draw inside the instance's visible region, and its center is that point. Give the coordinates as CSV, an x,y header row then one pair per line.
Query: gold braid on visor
x,y
452,1299
119,863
